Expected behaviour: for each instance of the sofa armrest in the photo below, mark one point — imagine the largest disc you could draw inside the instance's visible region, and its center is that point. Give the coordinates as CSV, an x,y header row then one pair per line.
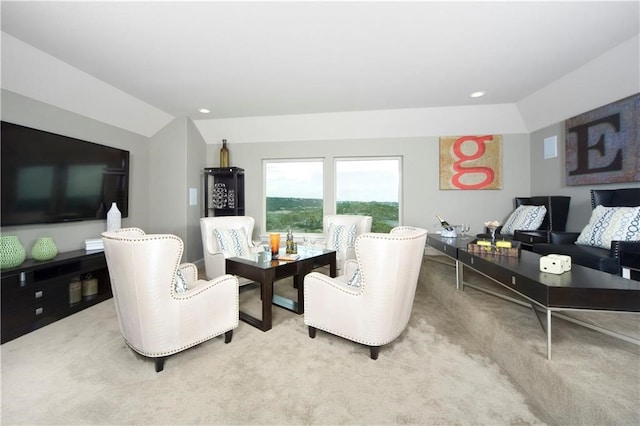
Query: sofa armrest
x,y
563,237
628,253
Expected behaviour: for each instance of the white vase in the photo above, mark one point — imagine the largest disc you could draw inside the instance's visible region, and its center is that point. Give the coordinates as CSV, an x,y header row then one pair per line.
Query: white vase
x,y
113,218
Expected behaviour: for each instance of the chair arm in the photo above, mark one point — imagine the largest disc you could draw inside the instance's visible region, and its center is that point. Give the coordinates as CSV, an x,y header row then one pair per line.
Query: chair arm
x,y
628,253
350,267
556,237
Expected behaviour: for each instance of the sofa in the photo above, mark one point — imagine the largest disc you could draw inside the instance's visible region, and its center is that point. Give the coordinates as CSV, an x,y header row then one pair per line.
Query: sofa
x,y
621,254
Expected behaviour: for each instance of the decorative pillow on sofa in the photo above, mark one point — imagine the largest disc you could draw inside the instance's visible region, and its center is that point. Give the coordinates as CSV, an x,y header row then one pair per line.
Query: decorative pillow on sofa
x,y
611,224
179,283
232,242
524,218
341,237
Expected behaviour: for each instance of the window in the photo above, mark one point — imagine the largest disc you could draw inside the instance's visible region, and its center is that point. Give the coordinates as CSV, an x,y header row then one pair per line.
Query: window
x,y
370,186
294,195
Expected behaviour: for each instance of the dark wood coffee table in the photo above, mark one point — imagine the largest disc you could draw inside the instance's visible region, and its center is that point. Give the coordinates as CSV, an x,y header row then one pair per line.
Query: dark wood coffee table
x,y
265,274
581,288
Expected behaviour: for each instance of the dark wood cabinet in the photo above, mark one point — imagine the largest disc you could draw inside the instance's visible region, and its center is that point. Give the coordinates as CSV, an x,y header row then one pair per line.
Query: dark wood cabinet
x,y
223,191
37,293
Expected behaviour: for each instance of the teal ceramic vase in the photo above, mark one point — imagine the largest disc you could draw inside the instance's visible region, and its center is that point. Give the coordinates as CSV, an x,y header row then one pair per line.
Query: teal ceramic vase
x,y
44,249
12,253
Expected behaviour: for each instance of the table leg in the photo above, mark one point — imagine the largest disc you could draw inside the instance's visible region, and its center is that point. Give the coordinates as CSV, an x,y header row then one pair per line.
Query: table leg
x,y
459,275
549,334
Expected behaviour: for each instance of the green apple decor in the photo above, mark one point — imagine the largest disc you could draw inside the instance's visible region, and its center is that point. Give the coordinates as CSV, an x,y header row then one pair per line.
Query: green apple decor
x,y
44,249
12,253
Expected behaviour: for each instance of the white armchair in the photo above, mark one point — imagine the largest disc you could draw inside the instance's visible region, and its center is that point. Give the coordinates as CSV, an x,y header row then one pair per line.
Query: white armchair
x,y
214,255
340,232
371,302
161,305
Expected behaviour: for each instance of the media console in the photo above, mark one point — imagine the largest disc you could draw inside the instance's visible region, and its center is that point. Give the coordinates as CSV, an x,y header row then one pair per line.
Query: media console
x,y
581,288
36,293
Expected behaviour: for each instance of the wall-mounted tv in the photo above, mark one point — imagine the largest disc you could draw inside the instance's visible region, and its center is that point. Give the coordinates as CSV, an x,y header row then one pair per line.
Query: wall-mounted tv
x,y
49,178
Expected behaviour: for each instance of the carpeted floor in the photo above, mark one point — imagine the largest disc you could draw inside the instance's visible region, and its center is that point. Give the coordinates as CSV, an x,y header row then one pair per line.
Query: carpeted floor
x,y
79,371
592,378
465,358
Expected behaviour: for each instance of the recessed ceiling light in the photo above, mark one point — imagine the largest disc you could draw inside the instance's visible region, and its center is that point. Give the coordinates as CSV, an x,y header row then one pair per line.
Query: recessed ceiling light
x,y
477,94
204,110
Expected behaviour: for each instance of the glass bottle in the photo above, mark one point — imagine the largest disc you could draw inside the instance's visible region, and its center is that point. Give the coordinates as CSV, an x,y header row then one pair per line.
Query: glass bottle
x,y
444,223
224,154
289,242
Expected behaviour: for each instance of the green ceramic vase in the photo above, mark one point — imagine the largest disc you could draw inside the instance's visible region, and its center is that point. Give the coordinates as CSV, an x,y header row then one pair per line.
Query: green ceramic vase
x,y
12,253
44,249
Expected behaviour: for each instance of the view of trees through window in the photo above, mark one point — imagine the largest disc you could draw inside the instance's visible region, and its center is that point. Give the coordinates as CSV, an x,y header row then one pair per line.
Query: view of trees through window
x,y
367,186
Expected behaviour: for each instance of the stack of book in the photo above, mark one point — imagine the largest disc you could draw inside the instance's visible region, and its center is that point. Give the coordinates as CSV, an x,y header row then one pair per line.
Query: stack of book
x,y
93,244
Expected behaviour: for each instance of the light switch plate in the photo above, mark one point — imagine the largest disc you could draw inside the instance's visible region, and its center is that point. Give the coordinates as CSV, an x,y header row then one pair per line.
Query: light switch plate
x,y
193,196
550,147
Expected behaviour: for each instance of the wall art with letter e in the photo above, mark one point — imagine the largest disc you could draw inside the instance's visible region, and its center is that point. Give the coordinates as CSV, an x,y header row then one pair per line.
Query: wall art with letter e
x,y
603,145
471,162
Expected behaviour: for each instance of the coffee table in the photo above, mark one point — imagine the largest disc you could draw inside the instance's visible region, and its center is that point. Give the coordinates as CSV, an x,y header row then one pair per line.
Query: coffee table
x,y
265,274
581,289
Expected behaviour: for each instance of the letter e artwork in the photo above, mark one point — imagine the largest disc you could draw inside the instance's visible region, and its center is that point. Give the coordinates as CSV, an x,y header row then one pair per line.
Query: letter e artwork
x,y
471,162
603,145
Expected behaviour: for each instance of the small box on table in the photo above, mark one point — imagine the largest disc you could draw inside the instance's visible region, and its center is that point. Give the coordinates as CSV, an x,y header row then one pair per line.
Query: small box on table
x,y
501,247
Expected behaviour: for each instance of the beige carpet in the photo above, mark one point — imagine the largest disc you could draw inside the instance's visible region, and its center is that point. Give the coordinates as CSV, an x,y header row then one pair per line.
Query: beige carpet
x,y
591,379
79,371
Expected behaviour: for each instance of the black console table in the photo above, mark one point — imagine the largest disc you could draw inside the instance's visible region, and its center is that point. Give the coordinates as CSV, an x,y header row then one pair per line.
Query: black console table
x,y
581,288
36,293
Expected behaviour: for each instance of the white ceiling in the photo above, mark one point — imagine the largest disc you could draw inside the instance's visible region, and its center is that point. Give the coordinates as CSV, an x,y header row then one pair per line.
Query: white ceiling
x,y
242,59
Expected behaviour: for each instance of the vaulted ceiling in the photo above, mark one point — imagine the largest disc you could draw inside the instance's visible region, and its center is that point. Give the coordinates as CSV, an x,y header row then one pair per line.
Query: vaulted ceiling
x,y
241,59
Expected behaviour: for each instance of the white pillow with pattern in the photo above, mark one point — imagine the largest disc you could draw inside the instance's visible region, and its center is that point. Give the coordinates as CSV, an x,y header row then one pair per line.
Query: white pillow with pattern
x,y
341,237
179,282
524,218
231,242
611,224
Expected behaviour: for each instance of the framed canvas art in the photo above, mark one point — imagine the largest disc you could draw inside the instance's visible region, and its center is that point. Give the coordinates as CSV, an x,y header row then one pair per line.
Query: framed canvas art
x,y
603,145
471,162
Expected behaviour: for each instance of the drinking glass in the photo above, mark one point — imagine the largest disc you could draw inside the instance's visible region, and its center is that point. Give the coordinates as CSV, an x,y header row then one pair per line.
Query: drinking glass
x,y
305,240
274,239
465,228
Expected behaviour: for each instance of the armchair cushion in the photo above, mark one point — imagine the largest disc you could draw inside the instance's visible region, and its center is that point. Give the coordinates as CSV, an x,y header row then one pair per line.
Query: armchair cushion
x,y
611,224
232,242
524,218
342,236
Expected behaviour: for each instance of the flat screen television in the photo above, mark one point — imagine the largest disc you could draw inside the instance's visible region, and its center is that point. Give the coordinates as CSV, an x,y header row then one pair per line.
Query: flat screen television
x,y
49,178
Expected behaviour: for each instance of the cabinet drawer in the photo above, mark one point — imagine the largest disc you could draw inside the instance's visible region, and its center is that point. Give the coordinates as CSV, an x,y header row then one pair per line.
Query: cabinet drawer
x,y
28,296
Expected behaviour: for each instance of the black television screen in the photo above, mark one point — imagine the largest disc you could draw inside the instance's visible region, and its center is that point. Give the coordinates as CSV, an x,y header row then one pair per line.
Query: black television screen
x,y
49,178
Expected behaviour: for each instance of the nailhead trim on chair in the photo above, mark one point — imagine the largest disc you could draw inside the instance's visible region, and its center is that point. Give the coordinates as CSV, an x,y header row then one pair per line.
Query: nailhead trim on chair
x,y
378,236
187,295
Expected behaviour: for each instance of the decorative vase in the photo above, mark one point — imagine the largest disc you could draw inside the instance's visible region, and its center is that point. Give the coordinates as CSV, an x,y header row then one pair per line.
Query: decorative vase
x,y
12,253
44,249
224,154
114,218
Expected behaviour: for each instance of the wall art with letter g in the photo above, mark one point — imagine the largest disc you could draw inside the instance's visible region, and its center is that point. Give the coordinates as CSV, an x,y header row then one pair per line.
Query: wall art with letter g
x,y
603,145
471,162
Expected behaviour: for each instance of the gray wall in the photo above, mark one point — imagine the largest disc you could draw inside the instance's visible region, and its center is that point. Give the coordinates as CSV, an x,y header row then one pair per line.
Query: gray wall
x,y
176,160
421,198
548,178
70,236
